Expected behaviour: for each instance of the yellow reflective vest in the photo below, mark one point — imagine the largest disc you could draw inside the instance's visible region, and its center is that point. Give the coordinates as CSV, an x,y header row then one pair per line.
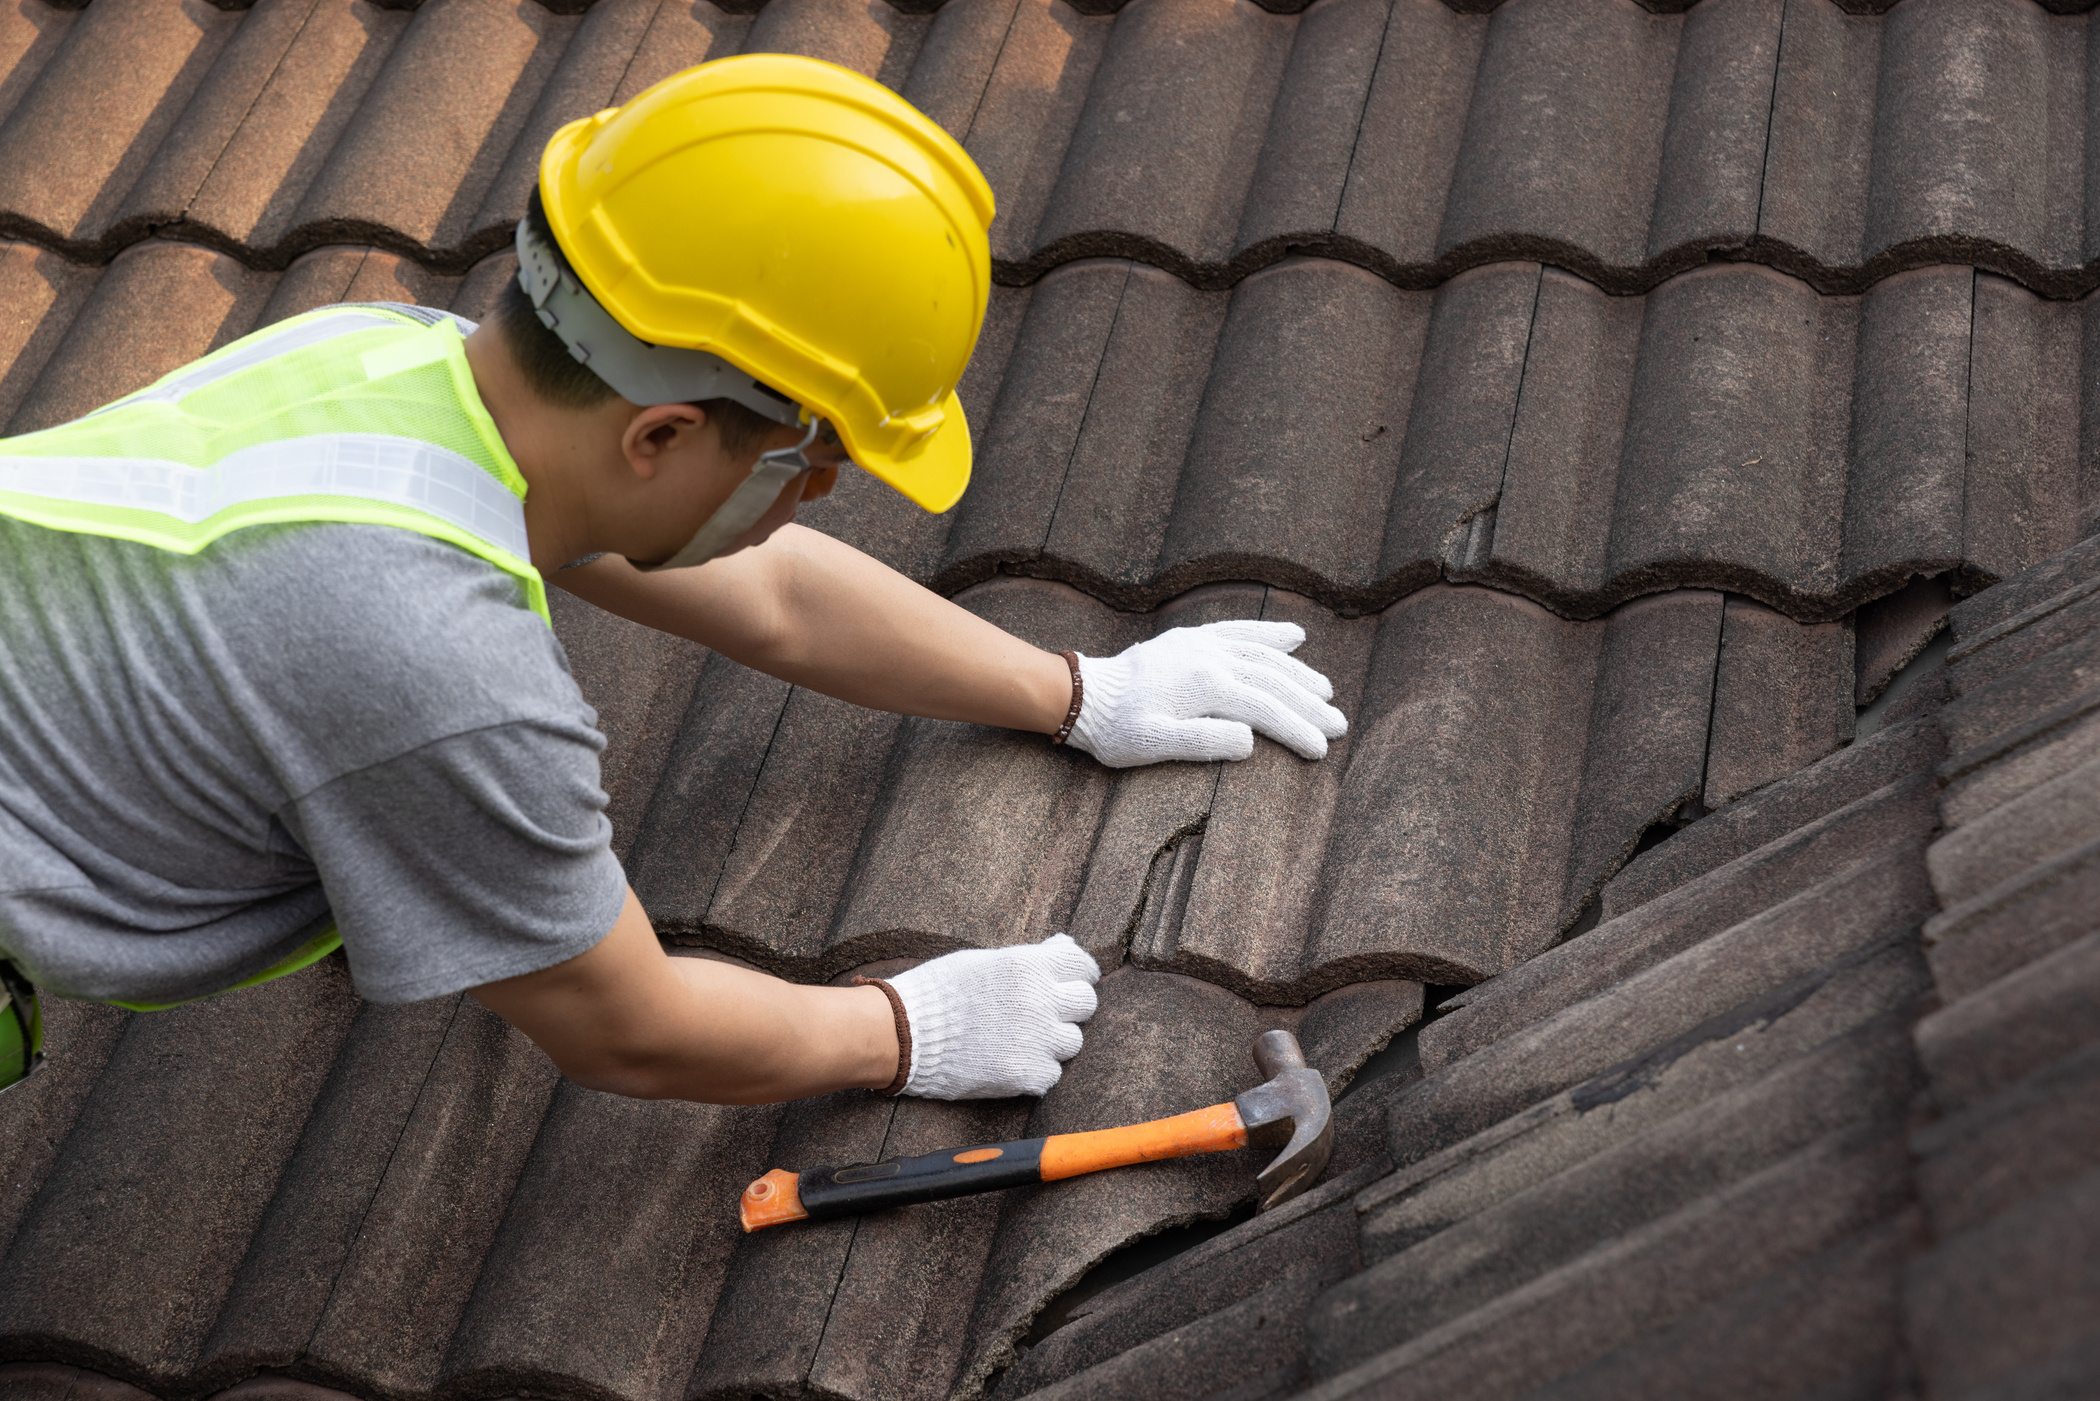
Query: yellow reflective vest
x,y
365,414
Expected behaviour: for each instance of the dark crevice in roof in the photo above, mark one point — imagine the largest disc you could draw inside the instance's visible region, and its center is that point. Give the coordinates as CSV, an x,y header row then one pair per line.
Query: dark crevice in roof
x,y
401,1134
1128,1263
1108,338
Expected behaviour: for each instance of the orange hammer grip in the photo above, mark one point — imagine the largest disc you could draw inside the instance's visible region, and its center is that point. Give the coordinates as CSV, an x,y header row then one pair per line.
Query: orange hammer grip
x,y
1211,1130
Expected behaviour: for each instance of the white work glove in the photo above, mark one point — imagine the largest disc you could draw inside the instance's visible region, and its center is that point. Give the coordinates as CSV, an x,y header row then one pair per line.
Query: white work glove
x,y
1200,693
988,1023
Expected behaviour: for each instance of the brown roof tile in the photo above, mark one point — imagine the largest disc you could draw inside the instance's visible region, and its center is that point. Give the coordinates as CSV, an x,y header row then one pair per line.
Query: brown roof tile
x,y
1386,319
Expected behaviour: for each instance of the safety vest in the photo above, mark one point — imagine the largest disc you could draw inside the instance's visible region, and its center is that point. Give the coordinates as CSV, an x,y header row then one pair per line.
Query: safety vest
x,y
364,414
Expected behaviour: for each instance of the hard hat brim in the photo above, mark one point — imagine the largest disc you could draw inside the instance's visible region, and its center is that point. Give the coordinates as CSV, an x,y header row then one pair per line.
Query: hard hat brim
x,y
934,477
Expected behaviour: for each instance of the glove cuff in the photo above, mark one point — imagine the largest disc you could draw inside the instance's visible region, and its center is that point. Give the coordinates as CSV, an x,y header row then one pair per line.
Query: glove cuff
x,y
903,1078
939,1016
1107,680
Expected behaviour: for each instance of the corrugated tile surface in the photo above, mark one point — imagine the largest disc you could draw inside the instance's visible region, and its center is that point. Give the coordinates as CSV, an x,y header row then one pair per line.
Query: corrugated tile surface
x,y
1808,1114
2010,1178
1208,139
1620,397
1398,401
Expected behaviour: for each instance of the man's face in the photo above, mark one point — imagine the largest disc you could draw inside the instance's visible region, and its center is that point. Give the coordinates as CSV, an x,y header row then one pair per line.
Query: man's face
x,y
827,454
678,451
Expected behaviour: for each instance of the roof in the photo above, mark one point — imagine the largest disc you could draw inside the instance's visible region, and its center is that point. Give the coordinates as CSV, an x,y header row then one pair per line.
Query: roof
x,y
1620,398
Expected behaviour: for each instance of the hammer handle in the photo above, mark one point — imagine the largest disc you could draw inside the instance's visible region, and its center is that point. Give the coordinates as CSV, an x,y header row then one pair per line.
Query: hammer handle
x,y
1211,1130
819,1194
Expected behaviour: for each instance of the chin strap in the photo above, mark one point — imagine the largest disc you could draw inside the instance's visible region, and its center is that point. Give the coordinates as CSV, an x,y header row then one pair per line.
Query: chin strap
x,y
753,497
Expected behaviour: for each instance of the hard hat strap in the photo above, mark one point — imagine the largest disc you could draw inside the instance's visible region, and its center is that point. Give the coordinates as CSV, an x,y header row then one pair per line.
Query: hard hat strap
x,y
639,372
773,471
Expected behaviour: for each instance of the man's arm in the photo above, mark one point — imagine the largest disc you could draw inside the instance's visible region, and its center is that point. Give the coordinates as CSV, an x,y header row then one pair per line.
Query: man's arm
x,y
811,610
627,1018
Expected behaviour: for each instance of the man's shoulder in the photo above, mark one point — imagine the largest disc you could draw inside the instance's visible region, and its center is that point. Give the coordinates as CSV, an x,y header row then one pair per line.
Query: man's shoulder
x,y
394,637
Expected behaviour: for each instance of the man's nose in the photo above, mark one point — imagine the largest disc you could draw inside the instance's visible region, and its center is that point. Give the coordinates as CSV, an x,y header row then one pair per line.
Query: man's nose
x,y
819,482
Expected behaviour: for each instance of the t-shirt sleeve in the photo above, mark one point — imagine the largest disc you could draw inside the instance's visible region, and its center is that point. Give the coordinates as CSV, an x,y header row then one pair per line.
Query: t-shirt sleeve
x,y
478,857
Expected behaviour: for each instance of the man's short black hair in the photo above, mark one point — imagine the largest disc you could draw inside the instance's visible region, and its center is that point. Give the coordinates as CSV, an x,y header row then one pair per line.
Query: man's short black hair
x,y
562,380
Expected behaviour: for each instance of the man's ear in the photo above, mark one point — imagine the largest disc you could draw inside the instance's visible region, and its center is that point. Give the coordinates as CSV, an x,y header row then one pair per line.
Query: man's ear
x,y
654,431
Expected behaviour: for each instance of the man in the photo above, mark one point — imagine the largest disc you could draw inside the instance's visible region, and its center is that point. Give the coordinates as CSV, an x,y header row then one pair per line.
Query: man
x,y
279,677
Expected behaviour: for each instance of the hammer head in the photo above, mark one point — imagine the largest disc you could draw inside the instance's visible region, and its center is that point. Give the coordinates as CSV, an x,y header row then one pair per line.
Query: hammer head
x,y
1290,1109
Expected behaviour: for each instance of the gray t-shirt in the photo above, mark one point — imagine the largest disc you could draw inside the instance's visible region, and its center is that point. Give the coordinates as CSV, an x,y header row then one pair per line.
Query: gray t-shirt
x,y
205,758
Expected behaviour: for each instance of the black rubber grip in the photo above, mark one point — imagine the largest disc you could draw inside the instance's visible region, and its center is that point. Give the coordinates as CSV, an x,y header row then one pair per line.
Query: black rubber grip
x,y
859,1187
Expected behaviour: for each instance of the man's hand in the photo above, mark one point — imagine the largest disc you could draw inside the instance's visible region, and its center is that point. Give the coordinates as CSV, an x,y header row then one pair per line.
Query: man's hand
x,y
1201,693
988,1023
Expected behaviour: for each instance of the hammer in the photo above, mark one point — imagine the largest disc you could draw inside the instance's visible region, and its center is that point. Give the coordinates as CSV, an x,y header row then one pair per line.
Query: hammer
x,y
1290,1109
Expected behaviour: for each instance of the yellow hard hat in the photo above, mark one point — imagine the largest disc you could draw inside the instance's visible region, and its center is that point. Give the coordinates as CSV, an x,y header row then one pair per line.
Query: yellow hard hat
x,y
803,223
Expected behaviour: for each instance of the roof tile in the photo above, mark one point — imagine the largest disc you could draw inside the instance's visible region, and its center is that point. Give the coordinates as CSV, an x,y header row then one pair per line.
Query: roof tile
x,y
2017,759
30,33
2025,426
615,38
1316,1246
41,1111
1643,1280
1299,430
1474,697
2036,593
2029,1269
2051,819
774,891
775,1298
1826,1326
680,35
156,308
2014,1025
2031,1137
1882,827
42,293
1529,1150
426,143
1547,144
1773,812
318,1206
1889,633
1198,1039
1707,992
641,683
278,98
77,141
1318,116
1984,938
1782,699
403,1285
1253,1346
347,273
898,1324
605,1270
1405,145
171,1161
1198,115
1497,1248
47,1381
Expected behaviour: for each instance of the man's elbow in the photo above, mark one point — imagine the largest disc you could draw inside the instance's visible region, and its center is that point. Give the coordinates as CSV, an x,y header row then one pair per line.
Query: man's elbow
x,y
634,1072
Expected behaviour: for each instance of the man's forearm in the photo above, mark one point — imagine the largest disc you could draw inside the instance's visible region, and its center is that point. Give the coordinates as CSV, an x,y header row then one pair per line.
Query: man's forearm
x,y
628,1019
819,613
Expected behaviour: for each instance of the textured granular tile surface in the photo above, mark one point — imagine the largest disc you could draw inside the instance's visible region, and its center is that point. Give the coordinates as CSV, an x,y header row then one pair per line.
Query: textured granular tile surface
x,y
1619,396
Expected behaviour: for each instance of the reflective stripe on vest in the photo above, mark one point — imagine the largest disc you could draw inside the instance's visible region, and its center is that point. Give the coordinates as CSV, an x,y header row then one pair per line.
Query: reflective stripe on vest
x,y
364,415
